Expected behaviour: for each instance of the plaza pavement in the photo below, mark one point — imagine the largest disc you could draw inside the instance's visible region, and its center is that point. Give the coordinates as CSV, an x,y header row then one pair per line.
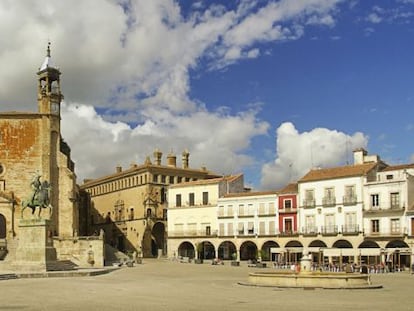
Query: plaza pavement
x,y
167,285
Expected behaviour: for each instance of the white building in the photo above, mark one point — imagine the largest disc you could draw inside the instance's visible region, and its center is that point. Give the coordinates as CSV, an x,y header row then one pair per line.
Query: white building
x,y
192,215
331,209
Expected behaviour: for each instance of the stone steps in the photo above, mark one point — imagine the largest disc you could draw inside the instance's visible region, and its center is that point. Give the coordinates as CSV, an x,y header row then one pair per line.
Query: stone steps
x,y
61,265
8,276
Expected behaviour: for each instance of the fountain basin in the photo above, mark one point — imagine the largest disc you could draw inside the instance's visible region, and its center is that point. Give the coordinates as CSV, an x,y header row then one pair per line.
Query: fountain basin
x,y
311,280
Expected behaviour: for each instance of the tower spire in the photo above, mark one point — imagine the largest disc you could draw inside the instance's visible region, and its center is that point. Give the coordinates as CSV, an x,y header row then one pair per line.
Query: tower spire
x,y
48,50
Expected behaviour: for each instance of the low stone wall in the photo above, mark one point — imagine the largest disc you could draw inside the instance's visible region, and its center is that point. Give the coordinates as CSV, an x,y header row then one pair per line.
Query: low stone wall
x,y
86,252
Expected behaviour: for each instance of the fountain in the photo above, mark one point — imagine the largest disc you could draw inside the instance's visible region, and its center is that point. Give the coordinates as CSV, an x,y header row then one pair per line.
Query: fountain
x,y
306,278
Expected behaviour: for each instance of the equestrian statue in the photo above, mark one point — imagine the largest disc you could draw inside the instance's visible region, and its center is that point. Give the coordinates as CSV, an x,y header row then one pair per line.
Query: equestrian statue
x,y
39,197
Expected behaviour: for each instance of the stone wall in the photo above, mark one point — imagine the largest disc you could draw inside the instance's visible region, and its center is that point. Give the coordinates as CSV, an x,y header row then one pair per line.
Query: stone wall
x,y
86,252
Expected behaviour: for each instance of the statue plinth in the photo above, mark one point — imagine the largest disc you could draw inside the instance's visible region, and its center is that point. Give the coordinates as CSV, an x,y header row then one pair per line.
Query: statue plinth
x,y
35,247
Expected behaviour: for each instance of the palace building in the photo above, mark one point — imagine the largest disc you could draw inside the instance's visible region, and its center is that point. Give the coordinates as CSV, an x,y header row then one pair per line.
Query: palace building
x,y
130,205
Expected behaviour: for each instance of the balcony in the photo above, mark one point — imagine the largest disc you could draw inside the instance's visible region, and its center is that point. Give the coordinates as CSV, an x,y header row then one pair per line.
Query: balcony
x,y
192,233
349,200
350,230
310,231
288,210
309,203
396,233
328,201
384,210
329,230
288,233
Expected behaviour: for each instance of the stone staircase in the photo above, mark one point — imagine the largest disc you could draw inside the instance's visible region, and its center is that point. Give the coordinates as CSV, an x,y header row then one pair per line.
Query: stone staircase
x,y
113,255
61,265
8,276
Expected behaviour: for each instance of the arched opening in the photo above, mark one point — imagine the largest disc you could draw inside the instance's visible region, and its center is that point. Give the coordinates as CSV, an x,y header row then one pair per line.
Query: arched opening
x,y
248,251
398,255
227,250
370,253
206,250
186,249
267,253
294,250
3,230
315,248
342,244
158,239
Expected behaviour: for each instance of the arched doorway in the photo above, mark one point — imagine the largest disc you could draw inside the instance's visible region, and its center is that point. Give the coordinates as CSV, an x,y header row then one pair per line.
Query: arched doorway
x,y
267,251
226,250
398,255
186,249
207,250
248,250
3,229
158,239
315,248
343,256
370,253
294,250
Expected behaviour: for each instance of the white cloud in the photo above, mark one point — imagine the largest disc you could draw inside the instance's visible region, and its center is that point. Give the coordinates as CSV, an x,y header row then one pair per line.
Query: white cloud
x,y
374,18
215,139
130,62
297,152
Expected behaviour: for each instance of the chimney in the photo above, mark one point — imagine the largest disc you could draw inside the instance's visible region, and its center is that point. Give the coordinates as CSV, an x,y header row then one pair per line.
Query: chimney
x,y
119,169
171,160
185,158
157,156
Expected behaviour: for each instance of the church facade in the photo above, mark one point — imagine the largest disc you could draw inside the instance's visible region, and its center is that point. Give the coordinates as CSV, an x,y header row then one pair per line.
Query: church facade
x,y
31,147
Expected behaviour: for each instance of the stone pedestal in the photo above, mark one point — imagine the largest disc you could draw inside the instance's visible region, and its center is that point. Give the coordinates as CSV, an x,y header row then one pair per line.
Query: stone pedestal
x,y
35,249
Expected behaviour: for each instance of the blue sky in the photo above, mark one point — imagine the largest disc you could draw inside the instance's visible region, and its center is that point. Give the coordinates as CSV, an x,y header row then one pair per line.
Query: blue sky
x,y
268,88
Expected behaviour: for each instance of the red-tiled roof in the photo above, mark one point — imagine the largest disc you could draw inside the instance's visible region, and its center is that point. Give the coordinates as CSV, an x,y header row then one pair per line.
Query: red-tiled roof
x,y
290,188
398,167
338,172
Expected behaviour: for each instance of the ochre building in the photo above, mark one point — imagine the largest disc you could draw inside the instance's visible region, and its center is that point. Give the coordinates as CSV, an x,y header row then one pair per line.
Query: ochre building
x,y
130,205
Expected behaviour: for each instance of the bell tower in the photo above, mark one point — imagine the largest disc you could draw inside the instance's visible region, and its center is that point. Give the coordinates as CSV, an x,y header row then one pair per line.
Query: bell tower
x,y
49,99
49,95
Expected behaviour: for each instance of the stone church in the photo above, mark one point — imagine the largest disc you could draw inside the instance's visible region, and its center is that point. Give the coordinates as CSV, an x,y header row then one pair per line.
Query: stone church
x,y
31,146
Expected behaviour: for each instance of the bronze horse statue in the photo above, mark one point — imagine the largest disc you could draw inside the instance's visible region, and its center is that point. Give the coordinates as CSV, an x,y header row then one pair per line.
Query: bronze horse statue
x,y
40,198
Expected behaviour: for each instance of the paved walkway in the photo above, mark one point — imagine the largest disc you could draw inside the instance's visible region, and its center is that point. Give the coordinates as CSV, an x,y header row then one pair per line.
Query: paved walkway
x,y
165,285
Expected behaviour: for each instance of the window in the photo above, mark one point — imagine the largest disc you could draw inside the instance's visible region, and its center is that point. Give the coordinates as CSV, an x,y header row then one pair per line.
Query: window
x,y
119,210
395,200
221,229
208,230
191,199
131,214
395,226
163,179
205,198
250,209
261,209
230,210
330,223
272,210
179,179
287,203
262,228
178,200
272,227
350,195
171,180
309,198
230,230
241,228
310,224
250,228
389,176
374,200
350,223
288,225
221,211
375,226
241,210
